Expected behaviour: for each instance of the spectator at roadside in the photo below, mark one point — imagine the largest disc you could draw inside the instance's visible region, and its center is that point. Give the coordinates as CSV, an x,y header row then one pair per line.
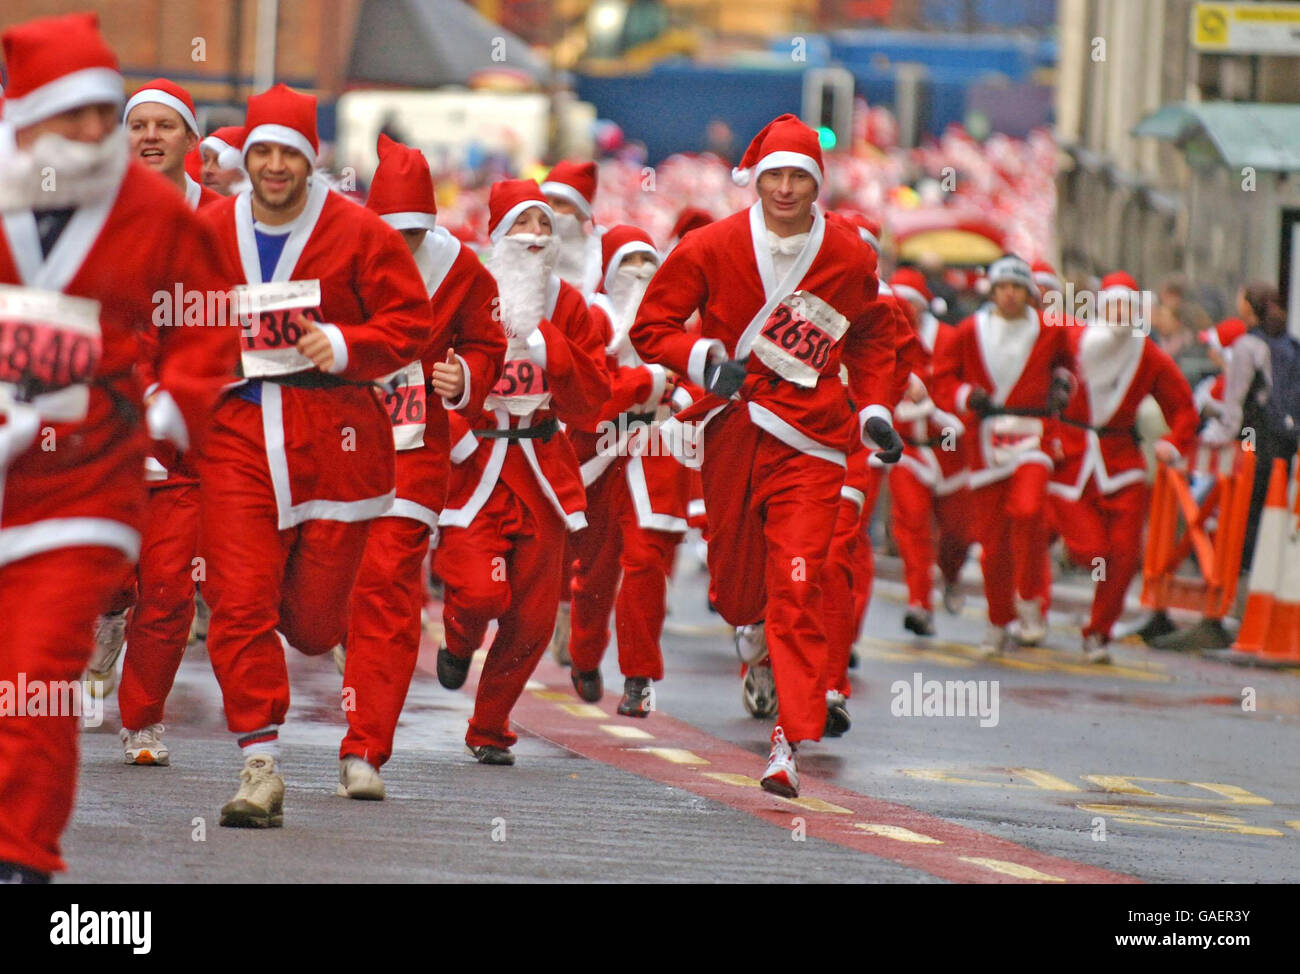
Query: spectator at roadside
x,y
1176,322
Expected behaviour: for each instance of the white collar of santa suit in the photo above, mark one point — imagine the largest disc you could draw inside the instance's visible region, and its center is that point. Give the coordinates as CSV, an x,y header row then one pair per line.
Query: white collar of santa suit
x,y
1005,347
434,257
775,291
301,229
193,192
928,330
1109,360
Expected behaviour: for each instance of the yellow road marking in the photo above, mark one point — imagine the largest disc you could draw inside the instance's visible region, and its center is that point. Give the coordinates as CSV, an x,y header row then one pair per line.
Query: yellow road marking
x,y
1044,780
728,778
1012,869
534,685
818,805
1294,823
897,833
583,710
1037,779
677,755
552,695
1126,785
627,731
1168,818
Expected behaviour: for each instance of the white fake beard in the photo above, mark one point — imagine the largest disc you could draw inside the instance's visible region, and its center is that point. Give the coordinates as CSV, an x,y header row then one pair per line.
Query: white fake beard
x,y
521,276
58,173
625,294
572,242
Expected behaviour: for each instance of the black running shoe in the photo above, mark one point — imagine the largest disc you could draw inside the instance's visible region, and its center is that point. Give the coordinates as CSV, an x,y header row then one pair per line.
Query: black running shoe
x,y
636,697
489,754
588,684
452,670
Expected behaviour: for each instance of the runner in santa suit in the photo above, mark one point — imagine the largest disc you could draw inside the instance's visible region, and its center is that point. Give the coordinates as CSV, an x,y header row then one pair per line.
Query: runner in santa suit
x,y
301,455
637,492
82,259
1099,489
928,487
515,486
454,371
1012,370
223,163
161,127
570,189
784,296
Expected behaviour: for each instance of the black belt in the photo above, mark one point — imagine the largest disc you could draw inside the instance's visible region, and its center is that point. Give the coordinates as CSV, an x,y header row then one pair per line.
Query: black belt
x,y
309,379
631,419
542,431
1102,430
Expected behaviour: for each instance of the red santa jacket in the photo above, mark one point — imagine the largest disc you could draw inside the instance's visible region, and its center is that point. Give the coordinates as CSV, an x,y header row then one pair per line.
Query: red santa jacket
x,y
660,486
794,349
1016,369
1097,435
462,294
80,483
574,376
329,448
934,446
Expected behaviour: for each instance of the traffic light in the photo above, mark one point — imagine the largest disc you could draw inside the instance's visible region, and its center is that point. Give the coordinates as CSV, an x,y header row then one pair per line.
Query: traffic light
x,y
828,105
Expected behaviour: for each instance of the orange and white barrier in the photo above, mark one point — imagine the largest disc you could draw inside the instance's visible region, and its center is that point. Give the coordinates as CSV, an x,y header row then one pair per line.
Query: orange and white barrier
x,y
1270,629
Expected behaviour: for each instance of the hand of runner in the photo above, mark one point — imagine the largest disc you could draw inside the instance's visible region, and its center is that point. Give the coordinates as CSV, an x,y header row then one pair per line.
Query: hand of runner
x,y
449,377
314,343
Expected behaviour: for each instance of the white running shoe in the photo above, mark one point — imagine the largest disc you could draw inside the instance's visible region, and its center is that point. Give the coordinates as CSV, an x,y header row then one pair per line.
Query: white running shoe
x,y
996,642
781,778
1095,649
259,802
751,643
359,779
340,657
1032,628
560,637
953,599
145,746
101,673
758,690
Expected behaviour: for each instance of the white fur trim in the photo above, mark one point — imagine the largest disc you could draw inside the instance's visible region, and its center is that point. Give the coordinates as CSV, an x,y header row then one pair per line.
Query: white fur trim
x,y
770,422
512,214
866,412
537,348
853,494
165,422
911,295
464,396
339,346
695,507
631,247
156,96
25,540
416,512
564,190
464,448
281,135
776,160
658,379
963,393
703,351
89,86
411,220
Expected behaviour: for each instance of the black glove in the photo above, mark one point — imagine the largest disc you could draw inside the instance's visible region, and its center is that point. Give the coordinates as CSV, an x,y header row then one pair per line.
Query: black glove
x,y
979,402
724,378
1058,395
890,443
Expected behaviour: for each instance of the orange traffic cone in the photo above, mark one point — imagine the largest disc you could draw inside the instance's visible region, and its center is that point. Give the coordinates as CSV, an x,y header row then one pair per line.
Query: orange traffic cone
x,y
1283,644
1266,568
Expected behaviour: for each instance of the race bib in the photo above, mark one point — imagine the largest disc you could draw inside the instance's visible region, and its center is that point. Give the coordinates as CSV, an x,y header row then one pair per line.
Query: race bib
x,y
268,340
407,403
522,388
1011,436
796,340
50,346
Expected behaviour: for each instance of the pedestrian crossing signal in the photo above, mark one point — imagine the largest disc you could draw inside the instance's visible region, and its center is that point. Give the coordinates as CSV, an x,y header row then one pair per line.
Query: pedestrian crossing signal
x,y
826,136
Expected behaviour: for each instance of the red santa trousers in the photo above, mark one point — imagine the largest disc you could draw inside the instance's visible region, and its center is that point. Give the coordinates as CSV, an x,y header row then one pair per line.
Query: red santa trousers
x,y
769,504
841,579
383,635
48,604
507,565
918,516
1009,517
159,626
1109,527
614,541
261,579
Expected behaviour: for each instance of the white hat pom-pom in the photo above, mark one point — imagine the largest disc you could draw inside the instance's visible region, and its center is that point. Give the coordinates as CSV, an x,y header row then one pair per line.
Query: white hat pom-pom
x,y
939,307
740,176
230,158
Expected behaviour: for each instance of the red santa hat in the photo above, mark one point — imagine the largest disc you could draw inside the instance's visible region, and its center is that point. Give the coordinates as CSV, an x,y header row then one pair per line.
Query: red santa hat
x,y
690,218
1117,284
868,229
508,199
619,242
1046,278
1223,334
285,117
56,64
160,91
784,141
401,191
226,142
910,284
575,182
